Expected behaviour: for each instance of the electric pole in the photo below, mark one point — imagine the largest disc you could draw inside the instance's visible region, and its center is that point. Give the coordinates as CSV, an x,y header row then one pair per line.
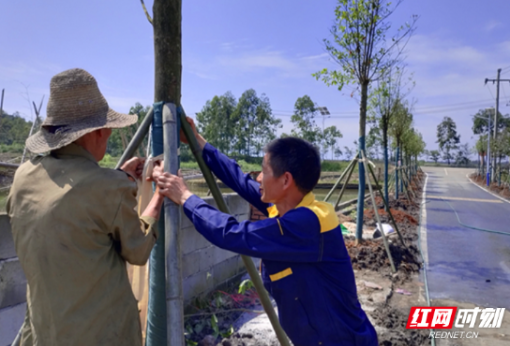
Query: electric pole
x,y
496,112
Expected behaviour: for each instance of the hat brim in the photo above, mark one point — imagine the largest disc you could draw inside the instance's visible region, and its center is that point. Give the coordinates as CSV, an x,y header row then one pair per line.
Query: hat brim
x,y
44,141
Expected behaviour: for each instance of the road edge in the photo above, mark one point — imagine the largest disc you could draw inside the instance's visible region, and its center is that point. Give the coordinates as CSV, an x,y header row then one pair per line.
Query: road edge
x,y
484,189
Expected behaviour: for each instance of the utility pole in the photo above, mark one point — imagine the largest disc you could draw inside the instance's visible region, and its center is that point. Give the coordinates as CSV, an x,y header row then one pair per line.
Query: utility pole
x,y
496,112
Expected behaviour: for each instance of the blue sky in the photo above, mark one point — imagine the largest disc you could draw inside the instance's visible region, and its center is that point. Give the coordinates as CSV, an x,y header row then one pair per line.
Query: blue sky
x,y
270,46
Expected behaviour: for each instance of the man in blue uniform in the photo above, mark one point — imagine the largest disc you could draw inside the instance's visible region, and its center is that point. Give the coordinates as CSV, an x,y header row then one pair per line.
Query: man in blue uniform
x,y
305,265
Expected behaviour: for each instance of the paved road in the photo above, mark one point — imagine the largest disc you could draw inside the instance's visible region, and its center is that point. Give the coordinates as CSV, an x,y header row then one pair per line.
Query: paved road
x,y
465,265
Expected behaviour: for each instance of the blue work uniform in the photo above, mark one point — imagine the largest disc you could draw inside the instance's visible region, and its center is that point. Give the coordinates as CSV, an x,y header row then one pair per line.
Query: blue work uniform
x,y
305,265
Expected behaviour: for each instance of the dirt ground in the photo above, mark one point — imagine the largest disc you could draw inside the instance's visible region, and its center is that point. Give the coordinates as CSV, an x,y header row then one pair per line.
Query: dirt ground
x,y
385,296
502,190
390,316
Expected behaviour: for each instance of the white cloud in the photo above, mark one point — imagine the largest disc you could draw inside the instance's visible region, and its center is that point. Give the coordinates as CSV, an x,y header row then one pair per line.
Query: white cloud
x,y
430,50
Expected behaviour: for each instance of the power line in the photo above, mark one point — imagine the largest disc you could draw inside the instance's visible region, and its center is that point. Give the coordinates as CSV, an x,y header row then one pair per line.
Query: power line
x,y
447,110
490,91
505,68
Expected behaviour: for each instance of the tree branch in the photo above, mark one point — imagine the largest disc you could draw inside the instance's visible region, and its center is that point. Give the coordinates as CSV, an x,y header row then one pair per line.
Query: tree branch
x,y
146,13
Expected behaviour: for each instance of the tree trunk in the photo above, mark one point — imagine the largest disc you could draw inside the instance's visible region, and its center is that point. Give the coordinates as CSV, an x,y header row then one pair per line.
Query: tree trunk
x,y
165,319
167,50
361,168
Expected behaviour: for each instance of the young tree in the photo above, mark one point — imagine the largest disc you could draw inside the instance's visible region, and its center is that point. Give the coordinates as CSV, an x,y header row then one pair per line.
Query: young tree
x,y
412,146
435,155
390,89
447,138
401,122
361,47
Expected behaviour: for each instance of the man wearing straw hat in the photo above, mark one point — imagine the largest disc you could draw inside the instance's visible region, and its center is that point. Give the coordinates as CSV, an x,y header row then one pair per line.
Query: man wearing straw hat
x,y
75,226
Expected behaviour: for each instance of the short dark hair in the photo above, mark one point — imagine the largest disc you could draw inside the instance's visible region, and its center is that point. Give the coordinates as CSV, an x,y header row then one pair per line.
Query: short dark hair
x,y
298,157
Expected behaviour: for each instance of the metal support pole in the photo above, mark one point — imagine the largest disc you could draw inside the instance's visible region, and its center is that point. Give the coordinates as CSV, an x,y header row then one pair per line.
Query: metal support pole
x,y
383,235
378,187
17,339
338,181
156,308
174,295
496,111
9,165
345,184
248,262
137,139
405,187
489,152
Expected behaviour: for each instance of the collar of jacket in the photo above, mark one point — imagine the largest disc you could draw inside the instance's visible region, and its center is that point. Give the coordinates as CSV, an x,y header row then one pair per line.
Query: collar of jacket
x,y
73,150
305,202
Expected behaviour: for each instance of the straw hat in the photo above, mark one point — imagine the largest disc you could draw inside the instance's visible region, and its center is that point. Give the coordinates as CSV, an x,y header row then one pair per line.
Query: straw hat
x,y
75,108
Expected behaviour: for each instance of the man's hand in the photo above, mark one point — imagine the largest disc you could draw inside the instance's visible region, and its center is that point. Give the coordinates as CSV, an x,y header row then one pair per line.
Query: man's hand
x,y
173,187
200,139
157,170
134,166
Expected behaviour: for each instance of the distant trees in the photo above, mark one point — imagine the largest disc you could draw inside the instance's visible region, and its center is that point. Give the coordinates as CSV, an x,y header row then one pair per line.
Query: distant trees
x,y
462,156
434,155
120,138
14,131
303,119
447,138
329,137
499,147
217,122
238,127
305,126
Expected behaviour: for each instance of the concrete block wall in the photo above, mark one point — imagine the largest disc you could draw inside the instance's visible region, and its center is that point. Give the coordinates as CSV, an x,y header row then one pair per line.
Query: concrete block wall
x,y
205,267
13,286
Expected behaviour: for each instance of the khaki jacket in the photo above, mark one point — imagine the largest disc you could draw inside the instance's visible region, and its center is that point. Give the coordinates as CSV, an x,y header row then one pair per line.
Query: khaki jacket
x,y
75,226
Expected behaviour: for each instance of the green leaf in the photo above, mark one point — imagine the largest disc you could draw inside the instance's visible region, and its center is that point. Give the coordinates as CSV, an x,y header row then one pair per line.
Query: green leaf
x,y
228,333
214,325
245,285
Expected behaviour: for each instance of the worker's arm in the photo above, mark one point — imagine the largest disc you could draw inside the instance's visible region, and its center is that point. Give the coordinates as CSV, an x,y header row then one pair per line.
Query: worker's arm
x,y
229,172
294,237
135,235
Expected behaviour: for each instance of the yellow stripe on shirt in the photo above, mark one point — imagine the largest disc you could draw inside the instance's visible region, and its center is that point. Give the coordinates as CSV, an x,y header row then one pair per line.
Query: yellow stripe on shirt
x,y
281,275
